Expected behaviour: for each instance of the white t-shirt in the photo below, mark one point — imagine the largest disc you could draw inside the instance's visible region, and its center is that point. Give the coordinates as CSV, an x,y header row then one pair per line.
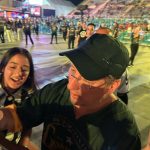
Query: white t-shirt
x,y
124,86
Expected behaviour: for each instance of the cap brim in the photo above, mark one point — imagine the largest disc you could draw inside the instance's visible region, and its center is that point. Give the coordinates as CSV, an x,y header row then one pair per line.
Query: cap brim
x,y
85,65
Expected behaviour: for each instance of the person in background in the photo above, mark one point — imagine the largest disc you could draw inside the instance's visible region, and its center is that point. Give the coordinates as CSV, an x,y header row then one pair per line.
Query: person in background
x,y
79,27
90,30
115,30
135,37
27,31
71,33
54,30
81,36
123,89
9,30
36,28
82,112
19,26
64,28
16,84
2,31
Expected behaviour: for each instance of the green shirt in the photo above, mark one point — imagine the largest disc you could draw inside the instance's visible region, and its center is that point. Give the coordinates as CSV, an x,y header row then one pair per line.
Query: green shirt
x,y
112,128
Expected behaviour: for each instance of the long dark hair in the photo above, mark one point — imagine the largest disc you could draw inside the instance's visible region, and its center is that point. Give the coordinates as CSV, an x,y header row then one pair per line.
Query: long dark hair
x,y
30,82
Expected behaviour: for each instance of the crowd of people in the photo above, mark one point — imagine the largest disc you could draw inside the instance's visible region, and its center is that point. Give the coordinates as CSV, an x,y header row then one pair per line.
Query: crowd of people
x,y
11,30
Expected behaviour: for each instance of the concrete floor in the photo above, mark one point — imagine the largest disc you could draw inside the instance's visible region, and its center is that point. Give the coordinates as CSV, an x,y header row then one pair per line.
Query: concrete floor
x,y
49,67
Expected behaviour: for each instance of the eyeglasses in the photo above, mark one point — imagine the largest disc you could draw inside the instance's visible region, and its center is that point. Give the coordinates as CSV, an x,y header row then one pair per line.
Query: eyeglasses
x,y
91,84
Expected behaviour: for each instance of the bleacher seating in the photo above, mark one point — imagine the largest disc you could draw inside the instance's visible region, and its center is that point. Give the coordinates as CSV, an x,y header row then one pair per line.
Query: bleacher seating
x,y
118,8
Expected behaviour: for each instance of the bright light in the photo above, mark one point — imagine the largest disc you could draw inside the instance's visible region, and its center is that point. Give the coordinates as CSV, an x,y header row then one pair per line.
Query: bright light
x,y
36,2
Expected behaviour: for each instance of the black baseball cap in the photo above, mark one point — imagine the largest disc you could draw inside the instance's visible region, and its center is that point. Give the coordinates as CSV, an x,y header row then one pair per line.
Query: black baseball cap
x,y
99,56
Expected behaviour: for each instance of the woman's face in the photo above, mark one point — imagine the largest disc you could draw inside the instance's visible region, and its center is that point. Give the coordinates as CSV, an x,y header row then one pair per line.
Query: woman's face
x,y
16,72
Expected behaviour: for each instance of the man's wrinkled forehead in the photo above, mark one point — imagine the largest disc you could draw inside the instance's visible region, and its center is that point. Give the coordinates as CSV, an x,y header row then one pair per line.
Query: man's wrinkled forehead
x,y
74,70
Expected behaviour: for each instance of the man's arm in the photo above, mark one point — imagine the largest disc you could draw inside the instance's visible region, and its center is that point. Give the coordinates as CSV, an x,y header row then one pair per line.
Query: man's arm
x,y
6,120
9,121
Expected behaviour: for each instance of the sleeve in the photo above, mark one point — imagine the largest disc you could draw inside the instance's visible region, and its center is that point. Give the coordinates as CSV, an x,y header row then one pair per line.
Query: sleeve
x,y
41,105
31,111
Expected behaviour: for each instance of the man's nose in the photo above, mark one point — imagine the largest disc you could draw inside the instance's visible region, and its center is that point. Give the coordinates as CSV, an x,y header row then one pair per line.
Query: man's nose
x,y
74,84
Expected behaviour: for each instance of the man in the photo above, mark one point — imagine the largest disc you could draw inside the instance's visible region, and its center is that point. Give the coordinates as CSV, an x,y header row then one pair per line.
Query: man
x,y
123,89
135,37
54,29
81,36
27,31
19,28
2,31
90,29
115,30
71,33
9,31
81,112
64,29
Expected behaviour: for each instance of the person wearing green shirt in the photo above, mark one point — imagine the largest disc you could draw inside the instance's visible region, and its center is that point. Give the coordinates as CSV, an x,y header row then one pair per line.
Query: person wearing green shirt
x,y
81,112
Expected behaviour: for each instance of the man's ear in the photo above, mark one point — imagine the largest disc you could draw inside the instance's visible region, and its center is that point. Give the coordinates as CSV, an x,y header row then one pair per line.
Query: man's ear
x,y
114,85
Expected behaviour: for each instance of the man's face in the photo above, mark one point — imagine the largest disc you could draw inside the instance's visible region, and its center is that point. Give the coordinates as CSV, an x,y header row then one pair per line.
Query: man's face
x,y
85,93
89,31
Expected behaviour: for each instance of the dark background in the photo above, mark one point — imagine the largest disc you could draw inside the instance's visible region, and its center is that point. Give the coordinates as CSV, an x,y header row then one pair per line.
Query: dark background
x,y
48,12
76,2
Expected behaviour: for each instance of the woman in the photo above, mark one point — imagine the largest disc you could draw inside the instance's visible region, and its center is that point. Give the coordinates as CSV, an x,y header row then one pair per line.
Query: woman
x,y
16,82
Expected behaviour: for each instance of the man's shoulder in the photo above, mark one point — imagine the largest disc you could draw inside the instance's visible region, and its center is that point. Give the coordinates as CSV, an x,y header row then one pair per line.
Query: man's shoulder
x,y
58,83
117,112
118,120
55,86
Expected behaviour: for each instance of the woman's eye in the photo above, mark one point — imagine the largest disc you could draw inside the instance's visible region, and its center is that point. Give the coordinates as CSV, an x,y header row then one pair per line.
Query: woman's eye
x,y
12,67
25,70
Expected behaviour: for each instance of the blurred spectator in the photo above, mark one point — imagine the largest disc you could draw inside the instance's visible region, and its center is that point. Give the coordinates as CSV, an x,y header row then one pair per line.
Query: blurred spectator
x,y
27,31
71,35
2,31
90,30
54,29
135,36
82,34
123,89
